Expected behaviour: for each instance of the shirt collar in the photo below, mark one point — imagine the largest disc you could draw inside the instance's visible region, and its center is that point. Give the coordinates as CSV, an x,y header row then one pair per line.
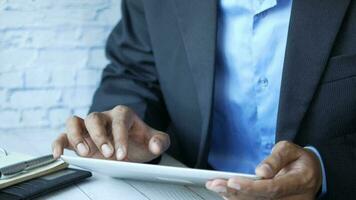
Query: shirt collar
x,y
251,6
263,5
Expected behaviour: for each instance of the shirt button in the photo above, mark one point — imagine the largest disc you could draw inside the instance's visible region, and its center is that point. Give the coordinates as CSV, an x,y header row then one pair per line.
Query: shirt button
x,y
262,82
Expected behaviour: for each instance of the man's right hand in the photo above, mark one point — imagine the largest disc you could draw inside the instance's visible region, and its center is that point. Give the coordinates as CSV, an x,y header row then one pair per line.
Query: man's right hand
x,y
117,134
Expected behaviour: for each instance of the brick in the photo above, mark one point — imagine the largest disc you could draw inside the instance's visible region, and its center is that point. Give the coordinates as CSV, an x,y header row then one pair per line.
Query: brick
x,y
69,37
40,38
35,98
2,3
13,38
95,36
9,118
61,58
3,95
26,5
63,77
111,15
58,116
78,97
10,58
97,58
11,80
48,4
34,118
82,3
3,99
19,19
88,77
64,17
37,78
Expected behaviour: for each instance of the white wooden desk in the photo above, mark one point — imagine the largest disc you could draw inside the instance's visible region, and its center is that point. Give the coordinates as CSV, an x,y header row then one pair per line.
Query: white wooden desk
x,y
100,187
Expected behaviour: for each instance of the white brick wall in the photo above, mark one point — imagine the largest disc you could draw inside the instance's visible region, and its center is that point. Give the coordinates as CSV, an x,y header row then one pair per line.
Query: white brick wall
x,y
51,57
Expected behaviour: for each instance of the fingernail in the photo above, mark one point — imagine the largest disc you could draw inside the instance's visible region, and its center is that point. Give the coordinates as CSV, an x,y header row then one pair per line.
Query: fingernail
x,y
264,170
157,145
107,150
82,149
208,184
219,189
157,142
120,153
234,185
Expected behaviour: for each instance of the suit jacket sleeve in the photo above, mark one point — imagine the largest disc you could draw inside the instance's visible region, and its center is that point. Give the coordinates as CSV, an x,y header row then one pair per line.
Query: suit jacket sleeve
x,y
130,78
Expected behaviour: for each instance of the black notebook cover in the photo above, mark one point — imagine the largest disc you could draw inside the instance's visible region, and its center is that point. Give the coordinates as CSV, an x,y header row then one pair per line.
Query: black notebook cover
x,y
43,185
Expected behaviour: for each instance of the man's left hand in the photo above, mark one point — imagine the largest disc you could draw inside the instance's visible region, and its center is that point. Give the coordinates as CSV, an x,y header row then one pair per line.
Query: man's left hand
x,y
289,173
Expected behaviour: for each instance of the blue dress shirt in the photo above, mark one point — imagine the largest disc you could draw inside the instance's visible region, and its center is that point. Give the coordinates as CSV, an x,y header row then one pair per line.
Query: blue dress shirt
x,y
251,44
252,37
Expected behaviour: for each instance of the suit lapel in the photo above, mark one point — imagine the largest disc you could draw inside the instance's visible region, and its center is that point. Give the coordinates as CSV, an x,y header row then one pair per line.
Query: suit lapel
x,y
313,29
197,22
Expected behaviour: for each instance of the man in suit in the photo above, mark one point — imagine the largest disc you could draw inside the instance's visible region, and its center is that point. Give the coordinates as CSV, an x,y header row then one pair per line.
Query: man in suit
x,y
228,85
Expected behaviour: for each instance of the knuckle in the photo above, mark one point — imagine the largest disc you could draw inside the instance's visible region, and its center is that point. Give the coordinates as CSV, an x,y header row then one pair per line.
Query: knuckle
x,y
94,117
284,149
121,109
284,145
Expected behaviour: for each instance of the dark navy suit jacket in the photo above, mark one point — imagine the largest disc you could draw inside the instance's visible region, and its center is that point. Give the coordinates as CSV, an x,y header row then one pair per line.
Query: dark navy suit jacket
x,y
162,59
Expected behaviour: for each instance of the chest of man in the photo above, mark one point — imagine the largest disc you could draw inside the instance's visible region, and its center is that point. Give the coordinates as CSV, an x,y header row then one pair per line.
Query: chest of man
x,y
318,89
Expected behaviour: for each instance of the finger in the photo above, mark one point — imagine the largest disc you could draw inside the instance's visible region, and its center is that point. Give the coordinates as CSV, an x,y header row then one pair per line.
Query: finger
x,y
283,153
96,124
59,144
289,184
220,186
75,134
122,122
158,143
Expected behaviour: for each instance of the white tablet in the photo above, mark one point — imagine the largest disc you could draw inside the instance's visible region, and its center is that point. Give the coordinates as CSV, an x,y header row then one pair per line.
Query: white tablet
x,y
154,173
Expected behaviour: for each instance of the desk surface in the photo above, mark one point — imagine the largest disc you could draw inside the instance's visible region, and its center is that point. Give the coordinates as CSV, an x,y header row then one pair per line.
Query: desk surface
x,y
100,186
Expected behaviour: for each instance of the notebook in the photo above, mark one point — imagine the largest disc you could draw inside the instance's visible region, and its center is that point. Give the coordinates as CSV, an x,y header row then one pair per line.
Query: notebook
x,y
12,158
44,185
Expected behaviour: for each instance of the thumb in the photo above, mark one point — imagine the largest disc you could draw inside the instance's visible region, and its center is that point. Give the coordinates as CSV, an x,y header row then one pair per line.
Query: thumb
x,y
158,143
282,154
